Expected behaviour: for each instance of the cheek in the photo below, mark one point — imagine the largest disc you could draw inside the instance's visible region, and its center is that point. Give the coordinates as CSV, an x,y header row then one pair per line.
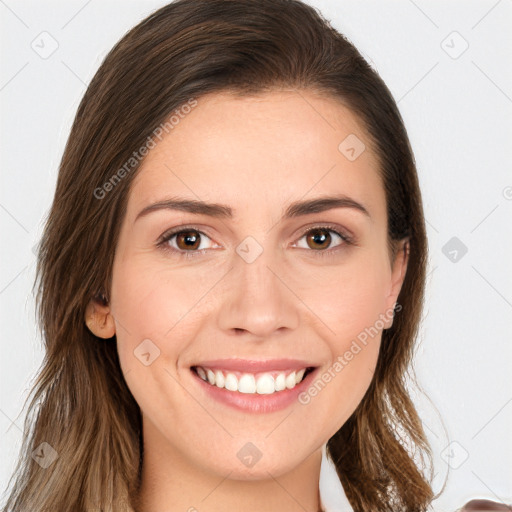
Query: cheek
x,y
349,298
156,317
353,316
351,304
151,300
151,307
348,379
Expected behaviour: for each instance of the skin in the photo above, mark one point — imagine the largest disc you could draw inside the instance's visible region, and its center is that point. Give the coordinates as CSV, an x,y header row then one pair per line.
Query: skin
x,y
255,154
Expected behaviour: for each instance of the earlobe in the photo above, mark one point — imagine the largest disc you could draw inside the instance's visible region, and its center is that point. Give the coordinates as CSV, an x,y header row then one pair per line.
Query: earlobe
x,y
99,320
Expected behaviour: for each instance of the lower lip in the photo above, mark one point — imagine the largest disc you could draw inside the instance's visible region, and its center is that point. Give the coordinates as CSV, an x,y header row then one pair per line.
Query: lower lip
x,y
254,402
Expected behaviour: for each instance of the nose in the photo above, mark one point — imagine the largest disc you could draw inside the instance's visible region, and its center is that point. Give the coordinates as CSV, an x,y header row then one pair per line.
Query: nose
x,y
258,297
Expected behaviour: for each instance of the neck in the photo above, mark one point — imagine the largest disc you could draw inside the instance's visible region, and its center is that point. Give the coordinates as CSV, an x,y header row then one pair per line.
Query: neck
x,y
171,482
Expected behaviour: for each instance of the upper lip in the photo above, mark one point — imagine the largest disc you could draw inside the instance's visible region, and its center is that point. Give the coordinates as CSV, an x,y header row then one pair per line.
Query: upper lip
x,y
253,366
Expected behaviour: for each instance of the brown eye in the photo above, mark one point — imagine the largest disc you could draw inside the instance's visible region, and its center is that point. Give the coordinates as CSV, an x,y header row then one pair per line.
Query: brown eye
x,y
186,240
318,238
323,239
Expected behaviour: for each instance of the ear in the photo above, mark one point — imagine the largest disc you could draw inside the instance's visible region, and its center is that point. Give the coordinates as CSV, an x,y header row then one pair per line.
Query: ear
x,y
398,271
99,319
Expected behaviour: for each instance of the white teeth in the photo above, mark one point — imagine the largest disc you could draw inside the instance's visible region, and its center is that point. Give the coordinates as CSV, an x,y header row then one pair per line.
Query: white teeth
x,y
247,383
265,384
219,379
280,382
290,380
231,382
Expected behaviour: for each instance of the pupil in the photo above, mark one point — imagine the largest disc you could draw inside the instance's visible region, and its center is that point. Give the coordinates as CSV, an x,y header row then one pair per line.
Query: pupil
x,y
190,238
320,236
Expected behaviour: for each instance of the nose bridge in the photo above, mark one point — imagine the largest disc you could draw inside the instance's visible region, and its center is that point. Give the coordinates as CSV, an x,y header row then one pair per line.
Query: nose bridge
x,y
256,298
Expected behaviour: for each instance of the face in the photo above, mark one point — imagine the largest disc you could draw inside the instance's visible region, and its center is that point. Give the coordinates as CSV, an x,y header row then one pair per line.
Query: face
x,y
250,292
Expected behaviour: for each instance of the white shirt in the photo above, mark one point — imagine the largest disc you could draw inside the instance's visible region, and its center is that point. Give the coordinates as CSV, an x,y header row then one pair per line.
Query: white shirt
x,y
332,495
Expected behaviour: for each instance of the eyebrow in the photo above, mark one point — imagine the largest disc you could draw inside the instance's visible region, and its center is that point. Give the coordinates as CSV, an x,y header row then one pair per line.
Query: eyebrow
x,y
296,209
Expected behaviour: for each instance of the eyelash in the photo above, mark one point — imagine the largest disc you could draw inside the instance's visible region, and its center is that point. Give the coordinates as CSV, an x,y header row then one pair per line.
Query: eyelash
x,y
161,243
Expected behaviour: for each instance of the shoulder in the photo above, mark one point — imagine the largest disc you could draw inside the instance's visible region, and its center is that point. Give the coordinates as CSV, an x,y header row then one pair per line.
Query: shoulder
x,y
485,506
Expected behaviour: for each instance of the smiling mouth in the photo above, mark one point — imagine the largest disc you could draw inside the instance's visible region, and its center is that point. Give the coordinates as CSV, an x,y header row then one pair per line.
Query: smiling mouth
x,y
262,383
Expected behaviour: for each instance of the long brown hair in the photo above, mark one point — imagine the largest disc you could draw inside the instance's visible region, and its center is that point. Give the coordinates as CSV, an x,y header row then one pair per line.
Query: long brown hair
x,y
81,406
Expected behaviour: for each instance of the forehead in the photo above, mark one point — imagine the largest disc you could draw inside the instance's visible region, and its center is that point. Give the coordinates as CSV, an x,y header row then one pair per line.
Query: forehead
x,y
270,148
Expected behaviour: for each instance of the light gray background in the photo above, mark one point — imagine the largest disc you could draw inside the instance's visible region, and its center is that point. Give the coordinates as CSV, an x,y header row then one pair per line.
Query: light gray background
x,y
457,106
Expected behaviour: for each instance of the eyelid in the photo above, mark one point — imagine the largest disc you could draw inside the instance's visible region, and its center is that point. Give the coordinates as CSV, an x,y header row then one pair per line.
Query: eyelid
x,y
343,233
163,239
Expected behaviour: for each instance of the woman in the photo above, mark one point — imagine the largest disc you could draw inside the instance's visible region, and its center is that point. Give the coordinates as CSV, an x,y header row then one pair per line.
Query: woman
x,y
231,277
